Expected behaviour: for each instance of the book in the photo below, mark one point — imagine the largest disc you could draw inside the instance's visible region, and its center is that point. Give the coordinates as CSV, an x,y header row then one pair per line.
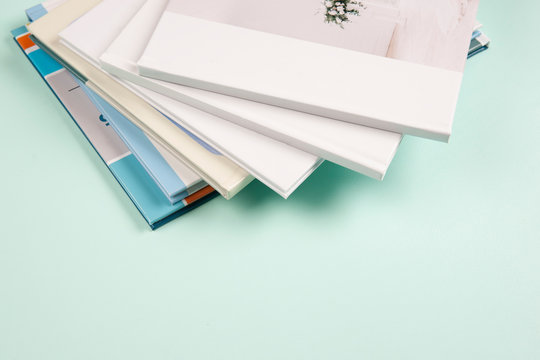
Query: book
x,y
130,174
39,10
318,57
218,171
366,150
279,166
363,149
175,179
479,43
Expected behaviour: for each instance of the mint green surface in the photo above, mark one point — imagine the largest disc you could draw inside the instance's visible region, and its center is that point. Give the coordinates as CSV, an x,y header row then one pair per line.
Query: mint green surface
x,y
439,261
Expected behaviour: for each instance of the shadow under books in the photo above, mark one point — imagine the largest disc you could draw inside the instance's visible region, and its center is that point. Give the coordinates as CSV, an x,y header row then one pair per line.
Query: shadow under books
x,y
324,189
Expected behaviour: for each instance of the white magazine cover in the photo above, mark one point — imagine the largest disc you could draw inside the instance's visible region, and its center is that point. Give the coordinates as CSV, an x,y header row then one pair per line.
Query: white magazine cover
x,y
317,56
217,170
278,165
360,148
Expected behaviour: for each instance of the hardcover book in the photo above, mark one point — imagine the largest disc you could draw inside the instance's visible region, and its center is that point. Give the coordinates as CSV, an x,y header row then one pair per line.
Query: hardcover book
x,y
218,171
479,43
280,166
320,57
363,149
175,179
131,175
35,12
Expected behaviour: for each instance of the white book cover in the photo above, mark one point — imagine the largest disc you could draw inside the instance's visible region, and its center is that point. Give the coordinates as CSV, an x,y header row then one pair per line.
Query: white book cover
x,y
278,165
218,171
360,148
318,56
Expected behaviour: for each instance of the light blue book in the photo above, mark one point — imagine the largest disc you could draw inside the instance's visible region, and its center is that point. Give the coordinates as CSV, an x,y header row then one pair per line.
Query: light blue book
x,y
154,206
35,12
479,43
174,178
177,183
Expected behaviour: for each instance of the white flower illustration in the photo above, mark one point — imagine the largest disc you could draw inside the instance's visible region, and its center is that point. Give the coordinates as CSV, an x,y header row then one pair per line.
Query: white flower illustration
x,y
340,11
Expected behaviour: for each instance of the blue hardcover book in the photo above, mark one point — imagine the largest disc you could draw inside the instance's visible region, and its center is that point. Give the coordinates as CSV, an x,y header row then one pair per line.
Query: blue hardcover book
x,y
35,12
154,206
172,176
175,179
479,43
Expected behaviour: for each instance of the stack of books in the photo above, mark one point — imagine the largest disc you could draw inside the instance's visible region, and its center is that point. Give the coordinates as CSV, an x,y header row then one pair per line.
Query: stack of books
x,y
188,100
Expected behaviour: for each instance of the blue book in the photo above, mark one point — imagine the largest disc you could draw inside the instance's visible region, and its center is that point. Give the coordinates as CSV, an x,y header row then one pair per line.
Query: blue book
x,y
479,43
35,12
151,202
176,183
172,176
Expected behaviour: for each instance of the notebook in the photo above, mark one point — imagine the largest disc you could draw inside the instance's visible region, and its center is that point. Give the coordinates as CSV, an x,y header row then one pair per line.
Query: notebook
x,y
479,43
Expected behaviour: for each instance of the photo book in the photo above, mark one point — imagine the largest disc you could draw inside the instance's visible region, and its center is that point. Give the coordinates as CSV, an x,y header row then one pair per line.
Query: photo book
x,y
174,178
395,65
187,100
153,205
479,43
217,170
360,148
279,166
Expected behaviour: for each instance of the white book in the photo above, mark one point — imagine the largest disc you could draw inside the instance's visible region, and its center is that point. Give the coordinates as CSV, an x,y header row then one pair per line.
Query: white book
x,y
218,171
278,165
317,56
360,148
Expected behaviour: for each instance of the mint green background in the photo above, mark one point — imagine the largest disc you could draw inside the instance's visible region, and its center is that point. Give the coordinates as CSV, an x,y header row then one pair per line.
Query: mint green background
x,y
439,261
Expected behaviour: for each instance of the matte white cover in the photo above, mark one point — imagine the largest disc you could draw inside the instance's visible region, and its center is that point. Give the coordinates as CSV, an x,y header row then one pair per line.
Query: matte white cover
x,y
282,53
222,174
357,147
278,165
